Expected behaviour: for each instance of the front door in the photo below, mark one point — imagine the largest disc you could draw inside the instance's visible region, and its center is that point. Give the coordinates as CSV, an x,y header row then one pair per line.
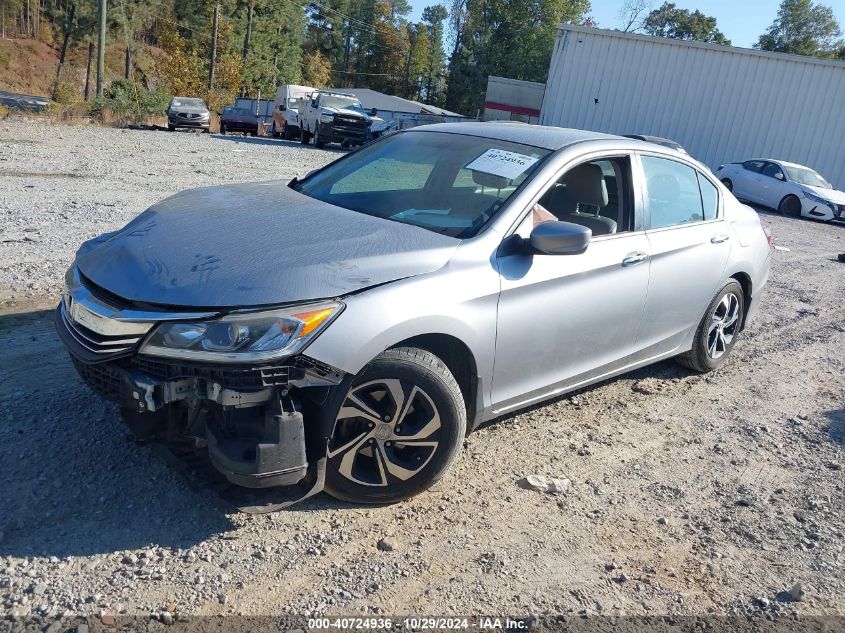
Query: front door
x,y
565,318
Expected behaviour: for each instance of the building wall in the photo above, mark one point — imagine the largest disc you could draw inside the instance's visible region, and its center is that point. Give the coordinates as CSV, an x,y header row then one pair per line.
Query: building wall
x,y
722,103
512,100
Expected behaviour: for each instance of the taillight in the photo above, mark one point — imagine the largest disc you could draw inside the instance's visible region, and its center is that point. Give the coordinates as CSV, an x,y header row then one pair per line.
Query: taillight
x,y
767,232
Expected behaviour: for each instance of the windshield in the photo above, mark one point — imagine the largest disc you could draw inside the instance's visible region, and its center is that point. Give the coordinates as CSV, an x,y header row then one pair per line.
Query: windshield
x,y
188,103
805,176
334,101
294,102
237,111
447,183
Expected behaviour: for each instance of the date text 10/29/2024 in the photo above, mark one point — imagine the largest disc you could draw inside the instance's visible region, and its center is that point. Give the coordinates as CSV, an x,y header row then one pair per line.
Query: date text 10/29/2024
x,y
411,623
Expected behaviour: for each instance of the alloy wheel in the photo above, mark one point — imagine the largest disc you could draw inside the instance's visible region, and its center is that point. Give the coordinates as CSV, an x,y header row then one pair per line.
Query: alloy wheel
x,y
386,431
723,325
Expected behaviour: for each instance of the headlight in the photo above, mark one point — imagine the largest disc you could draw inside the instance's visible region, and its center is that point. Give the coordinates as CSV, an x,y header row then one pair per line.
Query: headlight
x,y
242,337
818,199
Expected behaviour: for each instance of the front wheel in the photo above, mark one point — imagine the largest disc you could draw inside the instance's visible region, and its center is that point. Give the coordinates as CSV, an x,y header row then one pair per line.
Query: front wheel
x,y
398,430
223,130
304,137
319,141
717,333
790,206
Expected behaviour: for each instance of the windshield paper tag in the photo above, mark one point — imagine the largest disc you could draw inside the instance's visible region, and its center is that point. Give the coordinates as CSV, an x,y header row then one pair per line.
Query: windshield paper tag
x,y
501,163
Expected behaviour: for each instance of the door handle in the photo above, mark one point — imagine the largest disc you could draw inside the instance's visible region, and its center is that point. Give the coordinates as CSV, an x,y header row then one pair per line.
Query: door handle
x,y
718,239
634,258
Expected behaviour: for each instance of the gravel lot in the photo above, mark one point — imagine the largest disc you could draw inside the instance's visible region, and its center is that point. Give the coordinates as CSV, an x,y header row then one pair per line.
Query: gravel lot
x,y
689,495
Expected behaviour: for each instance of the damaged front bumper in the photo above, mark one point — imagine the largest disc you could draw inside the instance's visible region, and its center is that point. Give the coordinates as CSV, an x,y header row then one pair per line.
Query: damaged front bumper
x,y
251,419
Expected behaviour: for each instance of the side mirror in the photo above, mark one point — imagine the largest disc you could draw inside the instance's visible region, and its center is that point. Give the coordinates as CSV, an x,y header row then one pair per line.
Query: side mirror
x,y
779,176
282,107
373,112
560,238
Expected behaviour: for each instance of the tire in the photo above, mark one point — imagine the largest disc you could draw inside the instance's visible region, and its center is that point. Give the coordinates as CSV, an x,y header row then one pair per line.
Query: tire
x,y
729,185
304,137
367,462
273,131
223,130
319,143
714,339
791,206
171,128
286,132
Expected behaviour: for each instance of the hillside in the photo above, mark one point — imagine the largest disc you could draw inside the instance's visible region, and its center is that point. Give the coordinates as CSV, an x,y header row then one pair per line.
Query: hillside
x,y
29,65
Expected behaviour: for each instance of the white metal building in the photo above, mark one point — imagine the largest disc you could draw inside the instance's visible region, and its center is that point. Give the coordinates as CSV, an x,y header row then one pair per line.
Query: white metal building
x,y
722,103
513,100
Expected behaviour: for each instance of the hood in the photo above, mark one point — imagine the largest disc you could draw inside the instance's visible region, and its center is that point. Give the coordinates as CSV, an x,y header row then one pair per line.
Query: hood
x,y
347,112
190,109
828,194
255,244
248,118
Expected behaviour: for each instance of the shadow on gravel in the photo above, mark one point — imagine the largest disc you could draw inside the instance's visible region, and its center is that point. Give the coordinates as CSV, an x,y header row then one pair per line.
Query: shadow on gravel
x,y
72,485
837,426
278,142
664,370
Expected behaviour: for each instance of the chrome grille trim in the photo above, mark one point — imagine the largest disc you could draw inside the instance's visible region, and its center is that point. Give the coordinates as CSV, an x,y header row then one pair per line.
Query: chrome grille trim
x,y
97,343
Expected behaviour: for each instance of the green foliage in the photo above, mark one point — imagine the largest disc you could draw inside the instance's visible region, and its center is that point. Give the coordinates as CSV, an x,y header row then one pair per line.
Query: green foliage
x,y
682,24
803,27
127,100
509,38
4,57
67,93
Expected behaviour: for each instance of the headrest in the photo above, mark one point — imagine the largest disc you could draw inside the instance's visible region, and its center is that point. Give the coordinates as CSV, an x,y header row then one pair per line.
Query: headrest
x,y
489,180
585,185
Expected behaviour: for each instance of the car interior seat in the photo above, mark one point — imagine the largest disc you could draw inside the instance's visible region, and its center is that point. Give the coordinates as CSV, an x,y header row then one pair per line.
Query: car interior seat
x,y
581,186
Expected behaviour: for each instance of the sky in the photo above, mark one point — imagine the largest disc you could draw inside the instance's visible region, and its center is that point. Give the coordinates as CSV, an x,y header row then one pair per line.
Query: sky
x,y
742,21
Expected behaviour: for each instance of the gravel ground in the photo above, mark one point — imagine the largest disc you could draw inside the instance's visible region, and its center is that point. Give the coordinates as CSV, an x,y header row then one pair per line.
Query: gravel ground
x,y
689,494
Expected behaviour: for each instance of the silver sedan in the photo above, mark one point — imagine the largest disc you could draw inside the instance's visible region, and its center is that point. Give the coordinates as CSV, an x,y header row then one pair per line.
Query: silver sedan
x,y
345,331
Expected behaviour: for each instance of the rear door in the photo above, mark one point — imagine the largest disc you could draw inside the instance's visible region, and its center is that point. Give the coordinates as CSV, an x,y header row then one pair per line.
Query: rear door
x,y
689,242
749,184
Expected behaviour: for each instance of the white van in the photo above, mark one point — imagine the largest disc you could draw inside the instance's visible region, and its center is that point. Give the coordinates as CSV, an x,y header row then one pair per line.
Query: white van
x,y
289,99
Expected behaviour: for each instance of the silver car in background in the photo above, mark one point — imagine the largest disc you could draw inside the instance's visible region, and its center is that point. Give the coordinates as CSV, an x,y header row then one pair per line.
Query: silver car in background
x,y
188,112
346,330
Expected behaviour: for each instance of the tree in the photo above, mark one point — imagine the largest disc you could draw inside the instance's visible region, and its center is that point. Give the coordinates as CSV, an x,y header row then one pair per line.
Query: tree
x,y
434,18
316,70
510,38
682,24
804,28
630,14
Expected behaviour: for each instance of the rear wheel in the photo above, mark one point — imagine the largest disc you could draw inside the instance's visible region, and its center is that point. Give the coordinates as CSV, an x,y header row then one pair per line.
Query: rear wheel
x,y
791,206
729,185
717,333
399,428
304,137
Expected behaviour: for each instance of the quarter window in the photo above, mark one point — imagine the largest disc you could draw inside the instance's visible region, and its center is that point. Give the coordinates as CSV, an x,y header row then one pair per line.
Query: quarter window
x,y
674,196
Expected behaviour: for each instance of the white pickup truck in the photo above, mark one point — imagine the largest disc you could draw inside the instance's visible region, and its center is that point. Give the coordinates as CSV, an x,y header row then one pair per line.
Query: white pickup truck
x,y
290,99
334,117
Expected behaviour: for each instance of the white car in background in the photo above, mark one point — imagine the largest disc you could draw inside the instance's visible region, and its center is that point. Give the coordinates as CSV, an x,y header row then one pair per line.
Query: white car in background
x,y
791,189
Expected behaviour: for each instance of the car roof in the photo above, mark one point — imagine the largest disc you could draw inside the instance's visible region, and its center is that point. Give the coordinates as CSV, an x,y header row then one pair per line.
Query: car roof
x,y
546,137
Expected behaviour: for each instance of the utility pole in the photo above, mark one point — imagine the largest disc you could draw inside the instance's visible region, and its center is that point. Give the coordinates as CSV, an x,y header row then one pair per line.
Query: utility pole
x,y
213,54
101,48
127,63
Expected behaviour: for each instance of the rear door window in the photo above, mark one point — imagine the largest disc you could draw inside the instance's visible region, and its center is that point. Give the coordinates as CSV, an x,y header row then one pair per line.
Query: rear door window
x,y
754,165
709,197
674,197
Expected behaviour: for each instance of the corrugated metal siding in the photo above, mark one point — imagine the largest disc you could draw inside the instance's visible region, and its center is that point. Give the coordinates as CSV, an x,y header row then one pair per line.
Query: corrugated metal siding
x,y
722,103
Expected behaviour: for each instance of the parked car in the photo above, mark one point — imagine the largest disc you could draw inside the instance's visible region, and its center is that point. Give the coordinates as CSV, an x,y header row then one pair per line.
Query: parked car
x,y
446,275
234,119
188,112
289,100
333,117
791,189
659,140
